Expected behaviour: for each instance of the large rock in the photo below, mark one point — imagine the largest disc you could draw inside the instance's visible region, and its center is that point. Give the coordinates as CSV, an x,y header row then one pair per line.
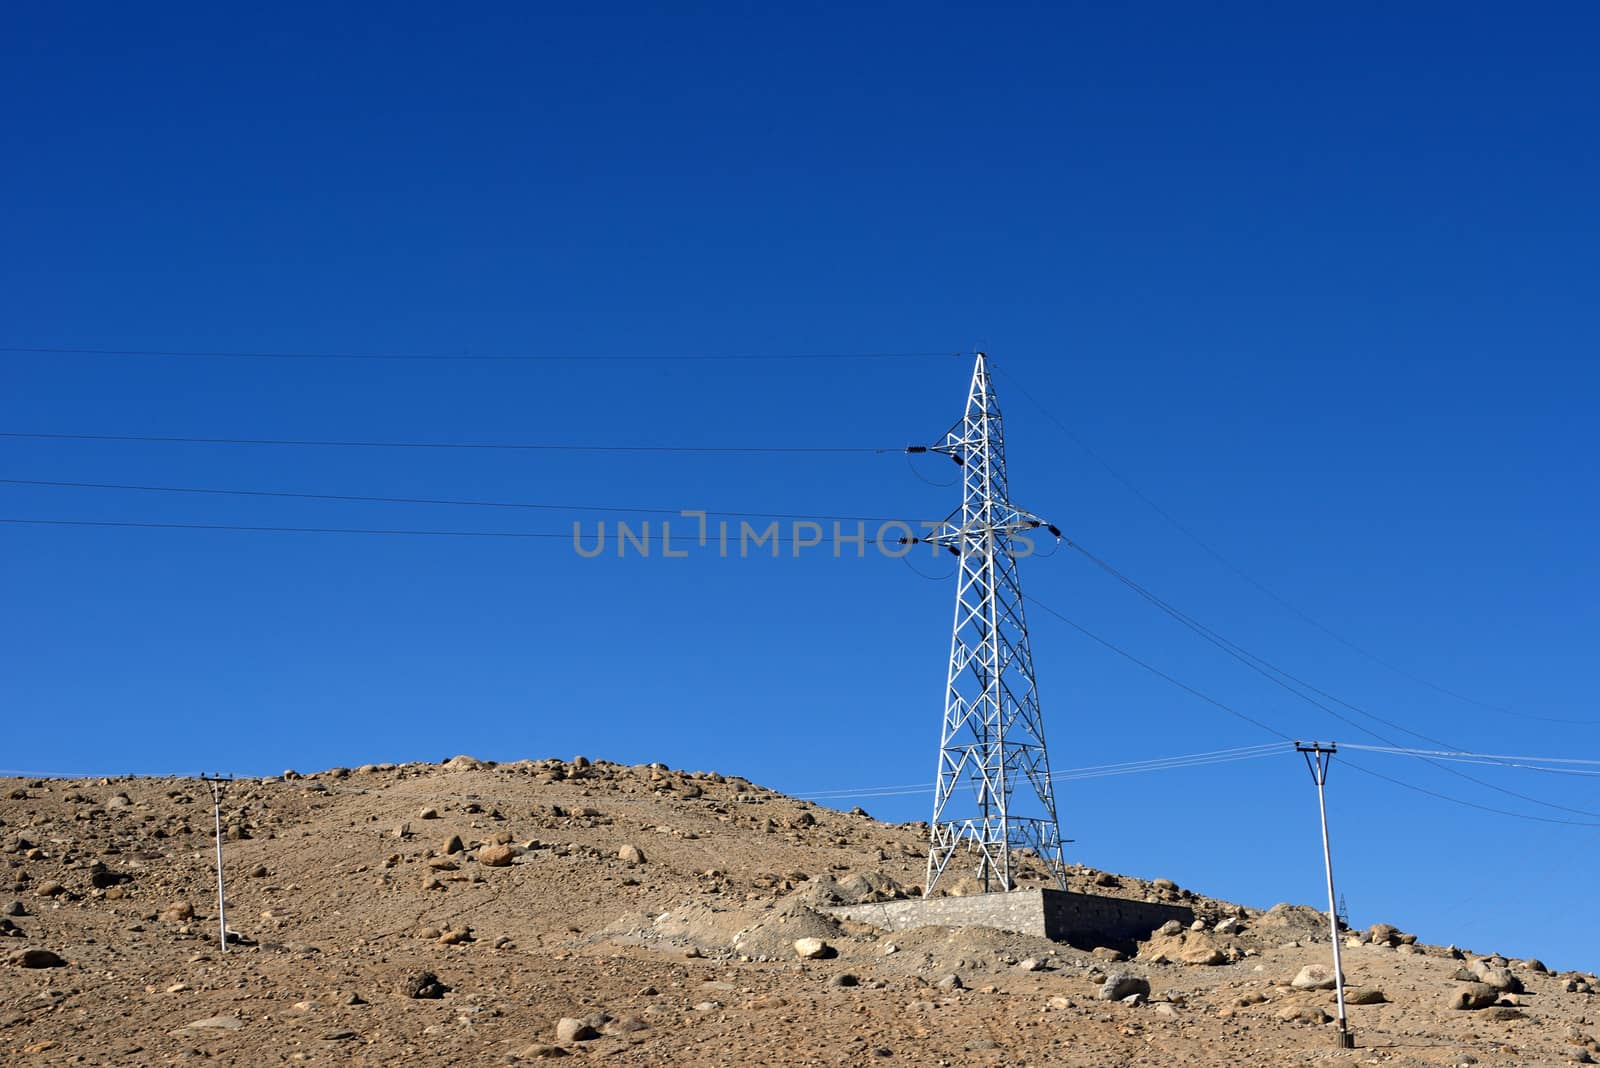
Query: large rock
x,y
1315,977
37,958
810,948
1364,996
569,1030
1499,978
497,855
1119,985
422,985
1469,996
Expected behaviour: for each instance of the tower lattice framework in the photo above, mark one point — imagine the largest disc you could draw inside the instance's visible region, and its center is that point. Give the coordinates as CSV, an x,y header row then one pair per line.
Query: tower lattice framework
x,y
993,794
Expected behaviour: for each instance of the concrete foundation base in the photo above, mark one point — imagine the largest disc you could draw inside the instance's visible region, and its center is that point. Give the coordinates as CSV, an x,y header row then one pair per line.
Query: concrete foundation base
x,y
1083,920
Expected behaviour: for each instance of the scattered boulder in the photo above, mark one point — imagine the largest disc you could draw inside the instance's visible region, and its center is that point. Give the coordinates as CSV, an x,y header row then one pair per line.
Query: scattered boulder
x,y
1364,995
1119,985
569,1030
1307,1014
452,845
497,855
421,985
811,948
1500,978
541,1051
177,912
1472,996
49,888
631,855
1315,977
37,958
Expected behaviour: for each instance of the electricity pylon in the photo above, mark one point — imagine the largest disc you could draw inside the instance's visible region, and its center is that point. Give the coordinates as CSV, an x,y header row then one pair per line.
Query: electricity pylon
x,y
993,740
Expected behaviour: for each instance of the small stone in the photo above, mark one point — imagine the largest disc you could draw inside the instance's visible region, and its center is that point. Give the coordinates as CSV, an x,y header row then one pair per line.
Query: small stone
x,y
49,888
452,845
16,908
843,979
37,958
1364,996
215,1023
1164,884
1171,928
631,855
428,814
1029,964
177,912
570,1030
950,982
982,1043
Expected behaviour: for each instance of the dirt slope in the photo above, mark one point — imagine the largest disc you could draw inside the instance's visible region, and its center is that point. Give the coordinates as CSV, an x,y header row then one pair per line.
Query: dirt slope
x,y
656,912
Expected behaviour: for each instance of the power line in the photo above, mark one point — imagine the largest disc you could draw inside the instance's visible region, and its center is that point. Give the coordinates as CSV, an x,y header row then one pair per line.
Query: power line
x,y
1208,699
1469,804
1260,586
1277,676
509,446
1271,730
453,502
1135,767
757,541
451,357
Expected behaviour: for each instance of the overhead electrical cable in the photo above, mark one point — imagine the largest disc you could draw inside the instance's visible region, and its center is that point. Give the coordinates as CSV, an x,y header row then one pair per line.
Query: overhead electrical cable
x,y
1260,586
1297,686
504,446
1157,671
760,541
452,502
453,357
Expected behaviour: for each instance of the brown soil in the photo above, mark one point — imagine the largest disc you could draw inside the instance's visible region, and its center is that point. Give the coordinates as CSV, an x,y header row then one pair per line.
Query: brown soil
x,y
344,895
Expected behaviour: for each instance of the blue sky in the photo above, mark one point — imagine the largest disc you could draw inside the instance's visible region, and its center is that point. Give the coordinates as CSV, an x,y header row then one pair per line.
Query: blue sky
x,y
1319,285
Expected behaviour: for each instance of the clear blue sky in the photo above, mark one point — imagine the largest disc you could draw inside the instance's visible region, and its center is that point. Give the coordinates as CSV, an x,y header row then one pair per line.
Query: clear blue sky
x,y
1320,285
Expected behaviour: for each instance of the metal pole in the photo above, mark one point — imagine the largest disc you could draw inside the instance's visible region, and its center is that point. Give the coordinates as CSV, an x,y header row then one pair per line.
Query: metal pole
x,y
1318,757
222,907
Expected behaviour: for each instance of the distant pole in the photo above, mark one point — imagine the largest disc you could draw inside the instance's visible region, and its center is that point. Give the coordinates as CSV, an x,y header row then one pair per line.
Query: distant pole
x,y
1318,757
218,784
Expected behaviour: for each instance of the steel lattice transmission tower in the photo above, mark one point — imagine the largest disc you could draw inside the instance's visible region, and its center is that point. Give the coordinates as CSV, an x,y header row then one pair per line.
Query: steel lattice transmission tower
x,y
993,794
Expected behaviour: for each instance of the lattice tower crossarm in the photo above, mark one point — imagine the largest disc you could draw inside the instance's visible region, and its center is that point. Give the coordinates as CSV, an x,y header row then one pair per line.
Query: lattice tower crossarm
x,y
992,745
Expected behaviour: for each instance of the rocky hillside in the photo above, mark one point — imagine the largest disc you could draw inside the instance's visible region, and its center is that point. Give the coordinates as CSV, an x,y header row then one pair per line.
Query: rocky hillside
x,y
472,913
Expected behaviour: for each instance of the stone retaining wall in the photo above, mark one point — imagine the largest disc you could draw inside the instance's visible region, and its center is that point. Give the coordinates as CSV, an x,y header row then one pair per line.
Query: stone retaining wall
x,y
1064,916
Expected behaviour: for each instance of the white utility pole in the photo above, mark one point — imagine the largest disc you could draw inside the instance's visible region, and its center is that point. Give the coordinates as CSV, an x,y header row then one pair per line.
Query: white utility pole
x,y
1318,757
218,784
